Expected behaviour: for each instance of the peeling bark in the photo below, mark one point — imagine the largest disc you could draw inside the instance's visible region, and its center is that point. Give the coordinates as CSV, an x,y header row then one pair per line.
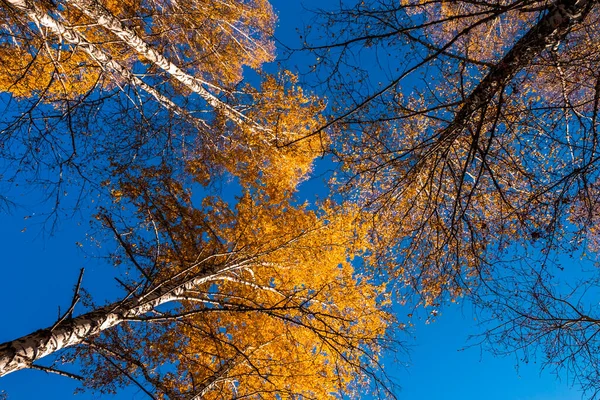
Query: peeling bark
x,y
21,353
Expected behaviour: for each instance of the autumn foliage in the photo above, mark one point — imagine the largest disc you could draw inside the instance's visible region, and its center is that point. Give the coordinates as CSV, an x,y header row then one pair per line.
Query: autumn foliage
x,y
281,312
232,287
208,39
481,139
471,146
466,162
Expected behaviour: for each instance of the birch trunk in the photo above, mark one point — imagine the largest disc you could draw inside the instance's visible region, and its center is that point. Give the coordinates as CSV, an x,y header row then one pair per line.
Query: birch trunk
x,y
105,61
21,353
104,18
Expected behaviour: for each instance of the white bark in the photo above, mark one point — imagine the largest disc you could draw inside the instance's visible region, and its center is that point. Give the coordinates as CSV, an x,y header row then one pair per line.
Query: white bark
x,y
23,352
75,38
104,18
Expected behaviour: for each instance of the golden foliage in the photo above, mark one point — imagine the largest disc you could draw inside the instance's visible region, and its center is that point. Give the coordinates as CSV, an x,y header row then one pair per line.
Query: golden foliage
x,y
314,326
214,38
279,311
46,72
211,40
264,152
247,297
478,152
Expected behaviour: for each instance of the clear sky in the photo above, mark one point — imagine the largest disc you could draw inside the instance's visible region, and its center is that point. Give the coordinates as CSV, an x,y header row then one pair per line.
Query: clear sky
x,y
38,273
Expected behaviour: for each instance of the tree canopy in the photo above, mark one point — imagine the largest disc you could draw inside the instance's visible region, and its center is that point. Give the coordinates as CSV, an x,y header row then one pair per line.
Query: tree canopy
x,y
238,293
467,132
463,139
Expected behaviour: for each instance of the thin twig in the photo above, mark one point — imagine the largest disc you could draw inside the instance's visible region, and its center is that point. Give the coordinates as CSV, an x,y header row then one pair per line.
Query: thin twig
x,y
74,301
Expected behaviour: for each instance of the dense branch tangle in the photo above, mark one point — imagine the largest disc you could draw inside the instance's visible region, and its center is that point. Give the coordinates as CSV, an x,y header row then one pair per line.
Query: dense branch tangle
x,y
473,151
179,64
485,135
254,300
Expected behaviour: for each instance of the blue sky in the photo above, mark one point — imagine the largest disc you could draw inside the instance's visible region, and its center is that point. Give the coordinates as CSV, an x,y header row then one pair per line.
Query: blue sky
x,y
39,271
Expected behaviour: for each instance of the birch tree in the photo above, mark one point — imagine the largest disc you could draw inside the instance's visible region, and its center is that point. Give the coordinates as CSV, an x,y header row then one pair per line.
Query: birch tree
x,y
241,35
256,301
467,132
251,297
163,75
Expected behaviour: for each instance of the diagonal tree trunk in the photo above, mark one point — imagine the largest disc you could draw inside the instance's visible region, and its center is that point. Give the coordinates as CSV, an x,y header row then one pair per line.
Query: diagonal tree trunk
x,y
104,18
104,60
21,353
553,27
